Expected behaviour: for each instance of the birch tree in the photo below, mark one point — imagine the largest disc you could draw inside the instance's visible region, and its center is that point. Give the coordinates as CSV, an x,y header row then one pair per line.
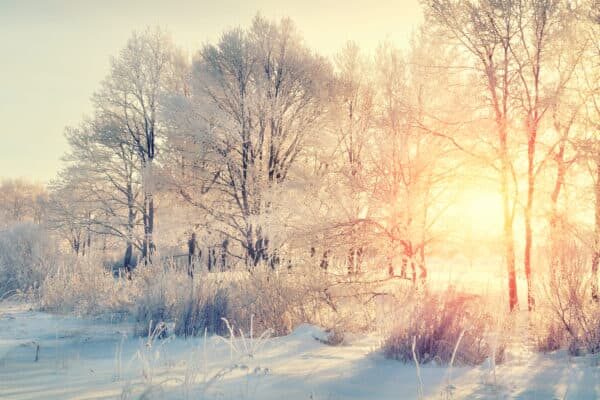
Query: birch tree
x,y
102,182
354,117
132,95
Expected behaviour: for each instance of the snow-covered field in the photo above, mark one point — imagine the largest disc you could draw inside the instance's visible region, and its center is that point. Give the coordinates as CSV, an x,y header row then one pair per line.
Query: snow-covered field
x,y
85,359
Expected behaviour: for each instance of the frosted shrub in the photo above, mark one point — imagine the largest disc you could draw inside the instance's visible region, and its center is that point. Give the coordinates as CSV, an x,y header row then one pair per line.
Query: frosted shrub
x,y
435,322
26,257
267,300
85,287
205,309
188,307
164,295
161,293
279,300
265,295
549,334
567,315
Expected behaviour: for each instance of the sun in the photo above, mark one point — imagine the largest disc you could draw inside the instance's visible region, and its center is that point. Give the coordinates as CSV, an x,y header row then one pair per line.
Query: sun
x,y
479,212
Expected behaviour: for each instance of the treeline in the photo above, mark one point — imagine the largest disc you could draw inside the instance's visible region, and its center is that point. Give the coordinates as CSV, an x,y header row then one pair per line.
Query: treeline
x,y
257,150
22,201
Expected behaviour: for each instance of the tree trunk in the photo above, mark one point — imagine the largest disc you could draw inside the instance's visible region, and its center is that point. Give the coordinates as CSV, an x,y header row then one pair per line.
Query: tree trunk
x,y
596,256
351,261
127,259
509,247
422,265
555,223
150,230
528,211
224,250
75,245
191,254
210,260
325,260
148,245
148,184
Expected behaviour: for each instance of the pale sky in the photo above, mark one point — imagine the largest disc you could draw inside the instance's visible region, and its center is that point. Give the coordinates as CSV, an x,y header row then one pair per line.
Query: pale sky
x,y
54,53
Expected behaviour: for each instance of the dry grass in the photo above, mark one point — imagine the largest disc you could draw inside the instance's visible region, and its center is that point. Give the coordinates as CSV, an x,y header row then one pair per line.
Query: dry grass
x,y
436,322
567,315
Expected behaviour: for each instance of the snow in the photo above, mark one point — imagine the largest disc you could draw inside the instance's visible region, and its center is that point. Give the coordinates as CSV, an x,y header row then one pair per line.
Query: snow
x,y
78,359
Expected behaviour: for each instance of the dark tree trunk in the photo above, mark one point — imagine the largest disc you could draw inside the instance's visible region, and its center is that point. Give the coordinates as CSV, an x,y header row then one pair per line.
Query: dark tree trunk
x,y
325,260
192,245
403,267
354,260
76,245
128,259
211,259
148,246
145,241
224,250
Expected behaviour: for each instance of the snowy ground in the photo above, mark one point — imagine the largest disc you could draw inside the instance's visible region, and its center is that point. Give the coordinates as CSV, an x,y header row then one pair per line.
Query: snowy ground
x,y
79,359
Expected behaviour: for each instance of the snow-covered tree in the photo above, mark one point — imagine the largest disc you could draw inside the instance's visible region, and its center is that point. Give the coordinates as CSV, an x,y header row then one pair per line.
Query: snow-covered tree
x,y
131,95
257,95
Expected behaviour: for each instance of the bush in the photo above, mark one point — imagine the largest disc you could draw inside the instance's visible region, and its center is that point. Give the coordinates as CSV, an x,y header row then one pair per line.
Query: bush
x,y
567,315
165,296
188,307
279,301
549,334
83,286
204,310
262,298
437,322
27,256
159,296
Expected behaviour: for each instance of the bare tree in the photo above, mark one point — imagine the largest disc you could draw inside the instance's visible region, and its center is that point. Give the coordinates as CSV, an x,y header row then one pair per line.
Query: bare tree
x,y
567,109
21,201
408,162
257,95
131,95
589,146
103,184
354,117
540,28
485,30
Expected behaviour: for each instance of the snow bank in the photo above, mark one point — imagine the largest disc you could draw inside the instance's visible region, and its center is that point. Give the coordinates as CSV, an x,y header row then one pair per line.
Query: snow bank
x,y
85,359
